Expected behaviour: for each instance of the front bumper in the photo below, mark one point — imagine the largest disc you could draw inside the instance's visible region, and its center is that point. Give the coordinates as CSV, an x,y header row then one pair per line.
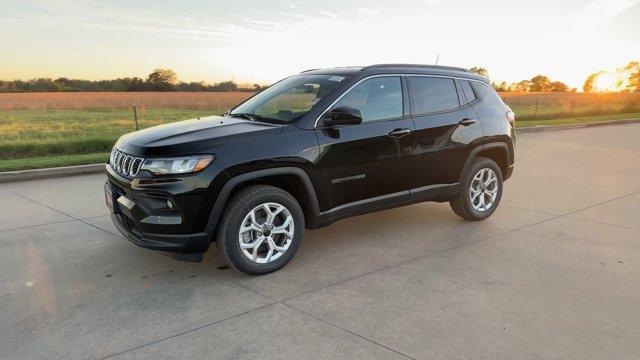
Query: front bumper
x,y
141,212
192,244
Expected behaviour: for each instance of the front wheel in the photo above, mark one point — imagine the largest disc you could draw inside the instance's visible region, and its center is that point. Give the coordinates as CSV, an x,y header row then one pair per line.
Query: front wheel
x,y
481,191
260,230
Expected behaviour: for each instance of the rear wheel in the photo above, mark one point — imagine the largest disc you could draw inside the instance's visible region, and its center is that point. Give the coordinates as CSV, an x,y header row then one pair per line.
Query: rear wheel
x,y
261,229
481,191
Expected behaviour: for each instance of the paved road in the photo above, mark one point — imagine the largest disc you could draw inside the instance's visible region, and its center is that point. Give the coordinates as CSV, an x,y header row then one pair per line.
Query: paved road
x,y
554,274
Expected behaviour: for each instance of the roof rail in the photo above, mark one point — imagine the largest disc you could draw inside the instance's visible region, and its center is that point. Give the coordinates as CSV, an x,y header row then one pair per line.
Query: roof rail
x,y
337,67
434,67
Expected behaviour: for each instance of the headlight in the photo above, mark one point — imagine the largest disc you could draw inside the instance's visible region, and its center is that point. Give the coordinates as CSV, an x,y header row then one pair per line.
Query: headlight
x,y
177,165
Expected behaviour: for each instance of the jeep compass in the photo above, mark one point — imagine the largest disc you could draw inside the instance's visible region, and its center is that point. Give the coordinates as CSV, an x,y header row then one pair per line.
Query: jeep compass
x,y
311,149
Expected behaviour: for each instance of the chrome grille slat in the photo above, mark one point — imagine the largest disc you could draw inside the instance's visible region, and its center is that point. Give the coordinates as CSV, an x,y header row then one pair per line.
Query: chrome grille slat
x,y
125,164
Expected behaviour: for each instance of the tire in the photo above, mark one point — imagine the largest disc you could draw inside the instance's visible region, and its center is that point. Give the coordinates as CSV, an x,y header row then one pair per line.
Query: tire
x,y
257,199
472,210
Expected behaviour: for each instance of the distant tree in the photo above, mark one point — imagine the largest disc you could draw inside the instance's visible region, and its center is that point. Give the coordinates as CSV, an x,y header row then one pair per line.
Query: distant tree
x,y
225,86
557,86
633,69
589,85
162,79
540,83
501,87
192,86
258,87
523,85
480,70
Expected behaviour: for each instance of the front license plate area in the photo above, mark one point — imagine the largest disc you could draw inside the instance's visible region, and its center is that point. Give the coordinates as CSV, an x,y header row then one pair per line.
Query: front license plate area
x,y
110,198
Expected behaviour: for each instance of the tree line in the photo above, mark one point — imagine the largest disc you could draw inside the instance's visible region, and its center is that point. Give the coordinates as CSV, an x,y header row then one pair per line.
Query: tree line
x,y
158,80
625,79
538,83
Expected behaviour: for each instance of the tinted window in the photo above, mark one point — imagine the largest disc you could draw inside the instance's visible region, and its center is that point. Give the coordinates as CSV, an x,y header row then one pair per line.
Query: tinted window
x,y
377,98
468,91
432,94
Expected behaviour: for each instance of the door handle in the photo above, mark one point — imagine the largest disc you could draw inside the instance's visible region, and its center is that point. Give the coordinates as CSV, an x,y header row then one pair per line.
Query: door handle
x,y
398,133
467,121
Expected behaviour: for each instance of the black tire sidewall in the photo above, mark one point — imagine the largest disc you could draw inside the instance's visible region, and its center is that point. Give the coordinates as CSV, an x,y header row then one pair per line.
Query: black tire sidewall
x,y
237,213
479,164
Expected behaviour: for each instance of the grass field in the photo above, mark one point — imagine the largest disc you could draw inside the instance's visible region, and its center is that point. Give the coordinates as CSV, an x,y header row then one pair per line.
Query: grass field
x,y
568,105
56,129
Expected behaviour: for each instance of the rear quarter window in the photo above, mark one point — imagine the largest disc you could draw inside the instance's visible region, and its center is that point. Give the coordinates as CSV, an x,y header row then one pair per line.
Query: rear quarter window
x,y
431,94
468,91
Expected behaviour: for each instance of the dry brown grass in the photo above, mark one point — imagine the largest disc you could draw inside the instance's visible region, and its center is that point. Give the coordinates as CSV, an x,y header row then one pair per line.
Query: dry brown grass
x,y
567,104
93,100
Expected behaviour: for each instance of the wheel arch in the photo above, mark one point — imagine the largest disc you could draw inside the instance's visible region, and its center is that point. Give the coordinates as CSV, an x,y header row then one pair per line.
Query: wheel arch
x,y
499,152
294,180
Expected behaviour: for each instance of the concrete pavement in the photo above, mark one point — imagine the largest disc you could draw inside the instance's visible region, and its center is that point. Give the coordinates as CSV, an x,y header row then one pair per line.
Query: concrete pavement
x,y
553,274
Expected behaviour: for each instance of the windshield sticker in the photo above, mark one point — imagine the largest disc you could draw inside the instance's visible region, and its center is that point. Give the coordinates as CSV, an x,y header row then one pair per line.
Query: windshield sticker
x,y
336,78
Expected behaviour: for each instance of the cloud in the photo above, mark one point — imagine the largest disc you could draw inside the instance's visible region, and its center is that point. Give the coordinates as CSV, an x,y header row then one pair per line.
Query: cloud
x,y
605,10
436,2
328,14
368,11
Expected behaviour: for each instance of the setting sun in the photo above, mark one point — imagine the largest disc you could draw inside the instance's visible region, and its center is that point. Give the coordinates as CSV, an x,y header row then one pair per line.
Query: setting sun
x,y
607,82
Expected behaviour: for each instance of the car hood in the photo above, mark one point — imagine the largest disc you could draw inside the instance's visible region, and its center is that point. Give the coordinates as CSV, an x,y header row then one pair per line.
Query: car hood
x,y
192,136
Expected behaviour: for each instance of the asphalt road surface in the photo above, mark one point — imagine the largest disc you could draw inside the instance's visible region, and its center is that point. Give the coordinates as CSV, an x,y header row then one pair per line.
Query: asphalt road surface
x,y
554,274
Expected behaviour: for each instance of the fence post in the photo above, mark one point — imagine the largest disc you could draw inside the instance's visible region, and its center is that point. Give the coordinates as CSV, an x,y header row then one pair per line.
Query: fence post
x,y
572,104
135,115
535,111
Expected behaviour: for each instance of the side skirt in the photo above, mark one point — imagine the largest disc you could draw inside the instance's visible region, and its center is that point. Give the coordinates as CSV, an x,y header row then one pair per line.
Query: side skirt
x,y
437,193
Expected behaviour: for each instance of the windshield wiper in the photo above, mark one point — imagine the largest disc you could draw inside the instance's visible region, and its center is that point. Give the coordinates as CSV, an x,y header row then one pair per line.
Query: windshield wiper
x,y
244,115
254,117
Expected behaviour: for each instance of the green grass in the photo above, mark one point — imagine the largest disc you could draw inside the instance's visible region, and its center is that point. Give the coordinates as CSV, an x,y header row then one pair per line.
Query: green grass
x,y
37,133
53,161
576,120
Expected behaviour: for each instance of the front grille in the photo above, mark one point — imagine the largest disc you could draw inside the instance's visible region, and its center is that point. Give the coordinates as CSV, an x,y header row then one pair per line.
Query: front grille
x,y
125,164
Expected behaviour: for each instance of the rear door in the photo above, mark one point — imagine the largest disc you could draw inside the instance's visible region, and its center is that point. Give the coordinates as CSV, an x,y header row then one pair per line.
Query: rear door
x,y
446,129
367,163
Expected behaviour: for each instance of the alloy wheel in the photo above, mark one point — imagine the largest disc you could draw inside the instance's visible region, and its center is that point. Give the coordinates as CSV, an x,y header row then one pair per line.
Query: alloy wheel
x,y
266,232
483,190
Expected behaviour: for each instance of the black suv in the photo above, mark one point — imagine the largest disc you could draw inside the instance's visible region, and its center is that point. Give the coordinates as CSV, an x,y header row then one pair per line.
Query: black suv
x,y
312,149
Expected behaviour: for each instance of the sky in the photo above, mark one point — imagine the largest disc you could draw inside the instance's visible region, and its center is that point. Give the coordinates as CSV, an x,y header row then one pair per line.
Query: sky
x,y
253,41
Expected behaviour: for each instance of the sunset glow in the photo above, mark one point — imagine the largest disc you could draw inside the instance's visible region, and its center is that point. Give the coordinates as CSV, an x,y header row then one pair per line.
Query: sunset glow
x,y
254,41
607,82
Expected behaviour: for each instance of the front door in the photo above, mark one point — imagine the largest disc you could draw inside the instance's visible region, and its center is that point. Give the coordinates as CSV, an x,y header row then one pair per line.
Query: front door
x,y
367,164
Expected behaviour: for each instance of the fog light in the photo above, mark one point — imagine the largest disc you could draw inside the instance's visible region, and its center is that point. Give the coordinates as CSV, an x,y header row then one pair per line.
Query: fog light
x,y
169,204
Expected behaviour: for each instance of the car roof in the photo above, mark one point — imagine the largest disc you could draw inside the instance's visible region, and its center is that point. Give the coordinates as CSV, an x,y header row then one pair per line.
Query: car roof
x,y
399,69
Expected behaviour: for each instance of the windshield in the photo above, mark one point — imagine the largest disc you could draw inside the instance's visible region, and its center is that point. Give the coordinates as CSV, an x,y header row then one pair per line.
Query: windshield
x,y
288,99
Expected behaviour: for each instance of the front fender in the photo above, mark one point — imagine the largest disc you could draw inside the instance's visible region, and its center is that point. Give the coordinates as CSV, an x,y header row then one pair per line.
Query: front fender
x,y
233,182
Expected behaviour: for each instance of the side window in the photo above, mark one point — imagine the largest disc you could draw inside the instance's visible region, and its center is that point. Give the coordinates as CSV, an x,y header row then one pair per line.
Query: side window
x,y
468,91
377,98
432,94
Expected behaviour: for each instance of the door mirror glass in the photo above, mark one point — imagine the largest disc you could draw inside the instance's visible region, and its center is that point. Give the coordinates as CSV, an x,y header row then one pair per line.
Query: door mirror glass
x,y
344,115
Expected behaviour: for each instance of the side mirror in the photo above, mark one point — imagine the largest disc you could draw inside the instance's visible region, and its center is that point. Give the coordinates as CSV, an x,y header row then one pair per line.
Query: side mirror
x,y
344,115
